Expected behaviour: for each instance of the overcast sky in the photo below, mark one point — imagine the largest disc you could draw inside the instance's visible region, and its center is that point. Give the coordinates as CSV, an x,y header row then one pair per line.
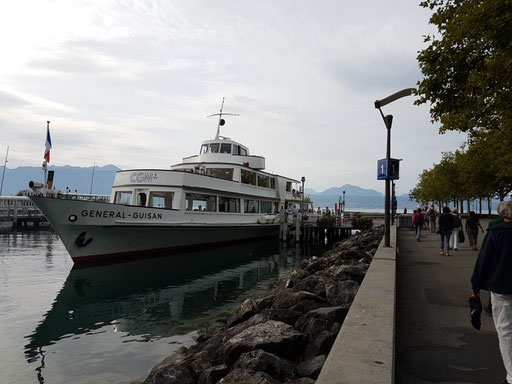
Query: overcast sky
x,y
130,83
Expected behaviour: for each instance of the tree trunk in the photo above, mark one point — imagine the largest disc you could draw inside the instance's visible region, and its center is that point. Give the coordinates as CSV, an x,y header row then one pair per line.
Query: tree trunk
x,y
489,204
480,207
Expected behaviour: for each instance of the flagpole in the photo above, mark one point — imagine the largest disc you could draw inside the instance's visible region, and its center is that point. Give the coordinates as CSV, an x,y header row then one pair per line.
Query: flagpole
x,y
3,173
45,164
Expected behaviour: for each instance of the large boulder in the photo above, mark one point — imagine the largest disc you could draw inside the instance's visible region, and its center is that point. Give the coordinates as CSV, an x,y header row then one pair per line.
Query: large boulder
x,y
248,376
260,360
302,380
243,312
312,367
313,283
288,298
213,374
271,336
172,370
342,292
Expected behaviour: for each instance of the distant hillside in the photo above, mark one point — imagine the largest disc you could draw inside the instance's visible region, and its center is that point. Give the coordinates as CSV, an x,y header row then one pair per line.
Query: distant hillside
x,y
349,189
78,178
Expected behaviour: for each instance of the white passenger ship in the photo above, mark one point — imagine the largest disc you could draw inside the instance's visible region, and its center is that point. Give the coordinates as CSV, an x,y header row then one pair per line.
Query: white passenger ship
x,y
221,195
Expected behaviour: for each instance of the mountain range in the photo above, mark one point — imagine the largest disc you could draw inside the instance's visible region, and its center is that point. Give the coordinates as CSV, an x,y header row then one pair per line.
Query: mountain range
x,y
80,178
74,178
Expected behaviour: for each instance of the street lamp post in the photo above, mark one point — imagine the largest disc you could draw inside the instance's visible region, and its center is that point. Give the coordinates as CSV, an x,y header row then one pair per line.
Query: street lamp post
x,y
388,121
303,179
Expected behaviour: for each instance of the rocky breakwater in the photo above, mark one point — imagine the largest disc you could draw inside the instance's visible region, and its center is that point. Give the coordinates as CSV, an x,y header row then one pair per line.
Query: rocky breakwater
x,y
285,336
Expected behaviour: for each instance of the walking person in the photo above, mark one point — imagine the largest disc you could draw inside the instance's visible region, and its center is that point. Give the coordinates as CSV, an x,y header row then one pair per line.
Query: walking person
x,y
457,226
445,229
472,225
418,220
432,213
493,272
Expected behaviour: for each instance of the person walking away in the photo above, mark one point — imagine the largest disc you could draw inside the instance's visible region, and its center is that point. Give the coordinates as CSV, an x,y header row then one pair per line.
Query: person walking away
x,y
493,272
432,213
472,225
445,229
457,226
418,220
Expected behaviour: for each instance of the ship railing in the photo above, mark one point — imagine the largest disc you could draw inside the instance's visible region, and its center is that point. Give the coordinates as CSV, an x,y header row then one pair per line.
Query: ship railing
x,y
84,196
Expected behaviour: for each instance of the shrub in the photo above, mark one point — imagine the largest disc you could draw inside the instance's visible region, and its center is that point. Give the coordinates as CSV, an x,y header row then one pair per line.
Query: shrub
x,y
362,223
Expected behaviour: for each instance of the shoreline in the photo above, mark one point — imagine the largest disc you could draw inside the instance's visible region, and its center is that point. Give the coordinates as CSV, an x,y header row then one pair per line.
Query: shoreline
x,y
284,336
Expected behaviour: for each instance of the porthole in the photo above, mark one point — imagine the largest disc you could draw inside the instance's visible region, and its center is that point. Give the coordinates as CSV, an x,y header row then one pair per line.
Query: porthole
x,y
72,218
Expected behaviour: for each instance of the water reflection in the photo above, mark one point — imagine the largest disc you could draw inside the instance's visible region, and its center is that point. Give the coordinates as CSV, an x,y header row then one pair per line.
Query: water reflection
x,y
158,297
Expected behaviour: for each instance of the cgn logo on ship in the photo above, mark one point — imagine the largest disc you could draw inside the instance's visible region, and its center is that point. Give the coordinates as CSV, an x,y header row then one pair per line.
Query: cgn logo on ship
x,y
143,177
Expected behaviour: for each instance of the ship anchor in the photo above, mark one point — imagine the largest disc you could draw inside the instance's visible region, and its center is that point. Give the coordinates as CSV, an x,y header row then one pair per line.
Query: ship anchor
x,y
81,242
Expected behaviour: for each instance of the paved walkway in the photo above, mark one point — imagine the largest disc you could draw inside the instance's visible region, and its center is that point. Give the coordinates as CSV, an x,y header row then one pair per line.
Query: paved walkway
x,y
435,340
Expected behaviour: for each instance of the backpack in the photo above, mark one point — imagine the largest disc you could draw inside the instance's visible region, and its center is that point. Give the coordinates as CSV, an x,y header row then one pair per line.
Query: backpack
x,y
457,222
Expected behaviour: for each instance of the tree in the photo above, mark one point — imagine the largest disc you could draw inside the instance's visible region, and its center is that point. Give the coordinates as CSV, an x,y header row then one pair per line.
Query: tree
x,y
467,68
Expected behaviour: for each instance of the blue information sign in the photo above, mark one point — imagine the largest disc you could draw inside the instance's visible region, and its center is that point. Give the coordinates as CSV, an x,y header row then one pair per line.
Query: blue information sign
x,y
388,170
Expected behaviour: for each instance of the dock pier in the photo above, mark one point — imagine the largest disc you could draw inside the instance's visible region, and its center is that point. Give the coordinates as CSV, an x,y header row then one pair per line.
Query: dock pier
x,y
20,217
307,228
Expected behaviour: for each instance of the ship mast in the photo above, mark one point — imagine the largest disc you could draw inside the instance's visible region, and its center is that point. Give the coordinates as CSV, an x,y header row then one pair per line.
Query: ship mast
x,y
221,120
3,173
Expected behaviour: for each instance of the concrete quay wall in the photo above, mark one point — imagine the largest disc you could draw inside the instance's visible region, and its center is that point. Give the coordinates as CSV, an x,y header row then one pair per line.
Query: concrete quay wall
x,y
364,349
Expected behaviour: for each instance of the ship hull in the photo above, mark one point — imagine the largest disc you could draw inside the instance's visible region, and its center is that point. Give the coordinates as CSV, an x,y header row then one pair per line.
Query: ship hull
x,y
94,232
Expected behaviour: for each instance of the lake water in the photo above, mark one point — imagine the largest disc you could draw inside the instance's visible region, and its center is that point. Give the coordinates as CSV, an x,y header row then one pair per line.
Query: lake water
x,y
113,323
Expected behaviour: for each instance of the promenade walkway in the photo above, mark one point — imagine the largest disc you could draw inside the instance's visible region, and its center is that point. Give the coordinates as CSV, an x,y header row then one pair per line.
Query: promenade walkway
x,y
435,342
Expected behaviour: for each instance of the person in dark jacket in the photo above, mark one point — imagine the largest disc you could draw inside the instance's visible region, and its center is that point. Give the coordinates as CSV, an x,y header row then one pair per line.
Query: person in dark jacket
x,y
493,272
445,229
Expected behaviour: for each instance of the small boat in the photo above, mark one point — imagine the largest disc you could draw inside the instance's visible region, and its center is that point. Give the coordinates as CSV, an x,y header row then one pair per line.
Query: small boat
x,y
220,195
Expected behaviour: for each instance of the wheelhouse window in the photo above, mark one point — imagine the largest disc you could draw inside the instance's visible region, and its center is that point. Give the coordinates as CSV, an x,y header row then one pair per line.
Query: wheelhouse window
x,y
221,173
204,149
288,186
161,199
243,151
251,206
200,202
248,177
236,149
214,147
265,206
229,204
263,181
123,197
225,148
272,183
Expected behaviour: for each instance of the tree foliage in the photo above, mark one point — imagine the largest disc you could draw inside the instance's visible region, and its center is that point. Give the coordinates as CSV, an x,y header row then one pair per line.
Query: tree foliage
x,y
467,67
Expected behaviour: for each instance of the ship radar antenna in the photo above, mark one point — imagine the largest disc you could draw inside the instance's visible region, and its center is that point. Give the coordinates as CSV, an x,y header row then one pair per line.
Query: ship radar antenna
x,y
221,120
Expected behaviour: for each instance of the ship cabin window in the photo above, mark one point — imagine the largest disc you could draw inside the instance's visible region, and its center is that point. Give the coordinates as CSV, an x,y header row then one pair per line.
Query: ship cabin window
x,y
243,151
236,149
251,206
229,204
248,177
221,173
200,202
141,199
272,183
288,186
263,181
225,148
123,197
204,149
265,206
161,199
214,147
